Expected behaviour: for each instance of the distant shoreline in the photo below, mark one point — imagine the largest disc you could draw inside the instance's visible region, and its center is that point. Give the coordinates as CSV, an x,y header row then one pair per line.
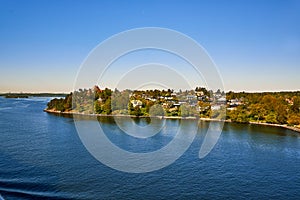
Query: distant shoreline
x,y
28,95
173,117
16,96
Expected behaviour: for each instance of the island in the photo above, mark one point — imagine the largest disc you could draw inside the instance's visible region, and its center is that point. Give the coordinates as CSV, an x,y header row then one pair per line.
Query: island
x,y
16,96
267,108
27,95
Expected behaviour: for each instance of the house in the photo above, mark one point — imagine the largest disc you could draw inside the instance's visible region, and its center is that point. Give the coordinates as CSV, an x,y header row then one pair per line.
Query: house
x,y
136,103
234,102
151,99
176,105
222,100
100,99
215,107
191,97
168,98
289,101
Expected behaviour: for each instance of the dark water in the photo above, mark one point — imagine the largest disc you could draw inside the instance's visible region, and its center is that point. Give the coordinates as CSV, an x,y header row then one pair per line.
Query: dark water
x,y
42,157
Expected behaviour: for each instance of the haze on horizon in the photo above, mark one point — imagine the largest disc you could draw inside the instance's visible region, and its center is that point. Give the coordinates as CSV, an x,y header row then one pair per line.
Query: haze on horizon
x,y
255,44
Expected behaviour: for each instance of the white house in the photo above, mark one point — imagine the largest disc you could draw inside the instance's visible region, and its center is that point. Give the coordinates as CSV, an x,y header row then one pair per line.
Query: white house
x,y
136,103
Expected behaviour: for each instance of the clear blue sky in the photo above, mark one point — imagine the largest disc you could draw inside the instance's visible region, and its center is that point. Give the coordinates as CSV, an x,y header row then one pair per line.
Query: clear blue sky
x,y
255,44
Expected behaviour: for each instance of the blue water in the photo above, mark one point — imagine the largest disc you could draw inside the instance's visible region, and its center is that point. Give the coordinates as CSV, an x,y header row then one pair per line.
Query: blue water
x,y
42,157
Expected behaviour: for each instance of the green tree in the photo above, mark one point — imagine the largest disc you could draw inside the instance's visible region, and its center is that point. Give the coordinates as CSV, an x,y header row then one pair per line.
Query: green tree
x,y
98,107
107,106
271,118
295,108
137,111
130,108
239,115
156,110
257,112
186,111
68,102
282,114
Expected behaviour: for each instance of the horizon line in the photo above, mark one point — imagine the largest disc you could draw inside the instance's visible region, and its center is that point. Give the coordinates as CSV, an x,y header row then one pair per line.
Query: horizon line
x,y
67,92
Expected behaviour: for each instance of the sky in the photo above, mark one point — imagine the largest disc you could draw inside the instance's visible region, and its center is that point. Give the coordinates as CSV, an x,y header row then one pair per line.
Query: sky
x,y
255,44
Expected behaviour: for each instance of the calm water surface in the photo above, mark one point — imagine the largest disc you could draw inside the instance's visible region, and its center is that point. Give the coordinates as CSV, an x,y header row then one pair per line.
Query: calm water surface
x,y
42,157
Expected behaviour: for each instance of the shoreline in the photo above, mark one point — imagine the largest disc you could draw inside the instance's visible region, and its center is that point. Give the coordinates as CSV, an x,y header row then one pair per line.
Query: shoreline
x,y
173,117
111,115
277,125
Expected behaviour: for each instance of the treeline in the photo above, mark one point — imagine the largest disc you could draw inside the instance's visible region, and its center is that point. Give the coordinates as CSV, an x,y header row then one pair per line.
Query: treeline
x,y
97,101
268,107
62,104
87,101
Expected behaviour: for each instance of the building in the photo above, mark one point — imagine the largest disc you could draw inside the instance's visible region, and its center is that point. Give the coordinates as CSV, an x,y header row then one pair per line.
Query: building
x,y
136,103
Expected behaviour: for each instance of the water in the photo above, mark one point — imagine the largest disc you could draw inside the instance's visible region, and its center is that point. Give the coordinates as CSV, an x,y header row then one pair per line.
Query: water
x,y
42,157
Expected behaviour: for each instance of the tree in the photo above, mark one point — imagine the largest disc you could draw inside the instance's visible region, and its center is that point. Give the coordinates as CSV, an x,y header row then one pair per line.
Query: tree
x,y
282,114
107,106
186,111
271,118
257,112
294,119
239,115
156,110
269,102
68,102
130,108
137,111
295,108
56,104
98,107
119,101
